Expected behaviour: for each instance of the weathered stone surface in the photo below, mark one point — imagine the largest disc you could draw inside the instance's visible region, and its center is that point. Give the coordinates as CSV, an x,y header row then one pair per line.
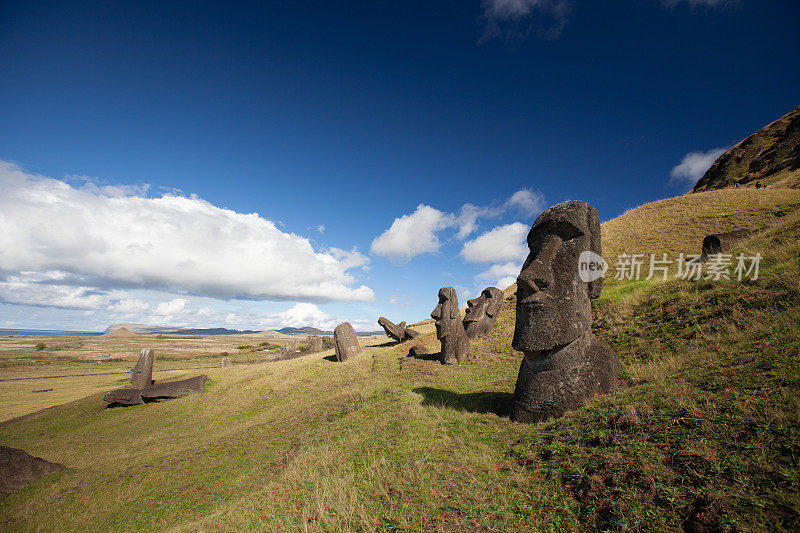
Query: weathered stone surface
x,y
564,364
18,469
292,345
124,397
165,390
417,350
398,332
142,374
719,243
450,328
345,342
315,344
482,312
226,362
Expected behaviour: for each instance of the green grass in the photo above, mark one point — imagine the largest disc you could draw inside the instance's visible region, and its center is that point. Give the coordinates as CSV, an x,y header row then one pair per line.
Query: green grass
x,y
705,434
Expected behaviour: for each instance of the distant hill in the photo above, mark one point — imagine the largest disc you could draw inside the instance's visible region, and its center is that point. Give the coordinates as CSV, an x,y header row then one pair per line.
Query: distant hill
x,y
120,332
771,155
142,329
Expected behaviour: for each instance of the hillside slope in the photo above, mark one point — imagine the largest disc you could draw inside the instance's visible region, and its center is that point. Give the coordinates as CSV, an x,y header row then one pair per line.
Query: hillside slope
x,y
771,155
704,436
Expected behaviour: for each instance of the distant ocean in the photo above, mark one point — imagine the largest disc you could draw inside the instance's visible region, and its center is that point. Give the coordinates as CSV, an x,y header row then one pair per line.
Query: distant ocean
x,y
48,332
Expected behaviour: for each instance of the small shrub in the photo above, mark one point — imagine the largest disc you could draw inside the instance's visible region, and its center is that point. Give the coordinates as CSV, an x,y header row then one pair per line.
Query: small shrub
x,y
40,346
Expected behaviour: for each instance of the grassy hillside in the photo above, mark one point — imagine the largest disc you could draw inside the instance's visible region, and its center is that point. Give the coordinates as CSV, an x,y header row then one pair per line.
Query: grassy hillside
x,y
705,435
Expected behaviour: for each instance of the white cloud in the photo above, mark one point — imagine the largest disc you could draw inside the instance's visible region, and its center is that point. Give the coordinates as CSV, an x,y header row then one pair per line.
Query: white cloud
x,y
129,306
467,220
504,273
305,314
514,19
321,228
412,235
43,290
171,308
694,165
503,243
118,238
528,202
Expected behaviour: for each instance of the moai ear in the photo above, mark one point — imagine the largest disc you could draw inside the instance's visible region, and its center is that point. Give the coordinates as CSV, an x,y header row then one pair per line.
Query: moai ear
x,y
593,223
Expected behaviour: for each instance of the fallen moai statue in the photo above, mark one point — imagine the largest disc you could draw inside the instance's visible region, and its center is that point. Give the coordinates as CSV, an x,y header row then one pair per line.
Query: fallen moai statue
x,y
417,350
450,328
144,389
564,363
345,342
398,332
482,312
18,469
719,243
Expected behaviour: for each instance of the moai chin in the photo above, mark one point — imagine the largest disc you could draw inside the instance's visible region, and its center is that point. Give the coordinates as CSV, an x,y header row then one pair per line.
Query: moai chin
x,y
482,312
449,328
142,374
564,364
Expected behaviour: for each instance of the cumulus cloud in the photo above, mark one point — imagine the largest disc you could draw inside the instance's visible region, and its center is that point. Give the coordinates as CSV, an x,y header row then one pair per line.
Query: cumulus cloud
x,y
129,306
173,307
38,289
418,232
503,243
694,165
114,237
514,19
503,274
306,314
412,235
527,202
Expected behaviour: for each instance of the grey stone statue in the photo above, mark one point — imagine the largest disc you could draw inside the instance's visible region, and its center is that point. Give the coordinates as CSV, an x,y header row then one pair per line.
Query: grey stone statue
x,y
142,374
345,342
564,364
482,312
398,332
449,328
315,344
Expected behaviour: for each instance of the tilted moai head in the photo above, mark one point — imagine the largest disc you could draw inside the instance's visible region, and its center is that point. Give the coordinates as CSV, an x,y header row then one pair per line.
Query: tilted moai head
x,y
345,342
449,328
394,331
482,312
142,374
553,303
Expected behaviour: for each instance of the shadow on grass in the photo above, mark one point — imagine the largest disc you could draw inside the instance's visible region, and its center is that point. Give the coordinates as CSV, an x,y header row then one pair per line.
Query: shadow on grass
x,y
498,403
428,357
331,358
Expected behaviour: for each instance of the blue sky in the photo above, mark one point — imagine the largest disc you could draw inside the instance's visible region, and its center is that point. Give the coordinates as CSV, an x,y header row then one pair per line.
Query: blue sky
x,y
300,163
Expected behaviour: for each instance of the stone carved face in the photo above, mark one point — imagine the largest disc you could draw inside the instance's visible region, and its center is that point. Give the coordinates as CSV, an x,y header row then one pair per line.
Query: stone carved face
x,y
553,304
446,313
482,311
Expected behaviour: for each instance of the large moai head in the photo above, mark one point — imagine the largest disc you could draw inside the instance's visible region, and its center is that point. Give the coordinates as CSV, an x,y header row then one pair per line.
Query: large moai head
x,y
449,328
142,374
482,312
553,303
345,342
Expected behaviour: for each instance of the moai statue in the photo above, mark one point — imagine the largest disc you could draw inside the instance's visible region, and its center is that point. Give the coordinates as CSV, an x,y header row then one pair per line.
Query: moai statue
x,y
226,362
398,332
482,312
449,328
564,364
315,344
142,374
345,342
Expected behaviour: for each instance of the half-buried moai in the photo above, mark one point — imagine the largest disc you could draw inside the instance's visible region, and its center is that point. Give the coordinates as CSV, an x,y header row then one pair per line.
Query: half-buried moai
x,y
398,332
482,312
142,374
345,342
449,328
564,364
315,344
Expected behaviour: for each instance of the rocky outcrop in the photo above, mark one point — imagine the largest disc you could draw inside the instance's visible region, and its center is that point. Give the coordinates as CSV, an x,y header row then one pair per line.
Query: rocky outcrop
x,y
18,469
